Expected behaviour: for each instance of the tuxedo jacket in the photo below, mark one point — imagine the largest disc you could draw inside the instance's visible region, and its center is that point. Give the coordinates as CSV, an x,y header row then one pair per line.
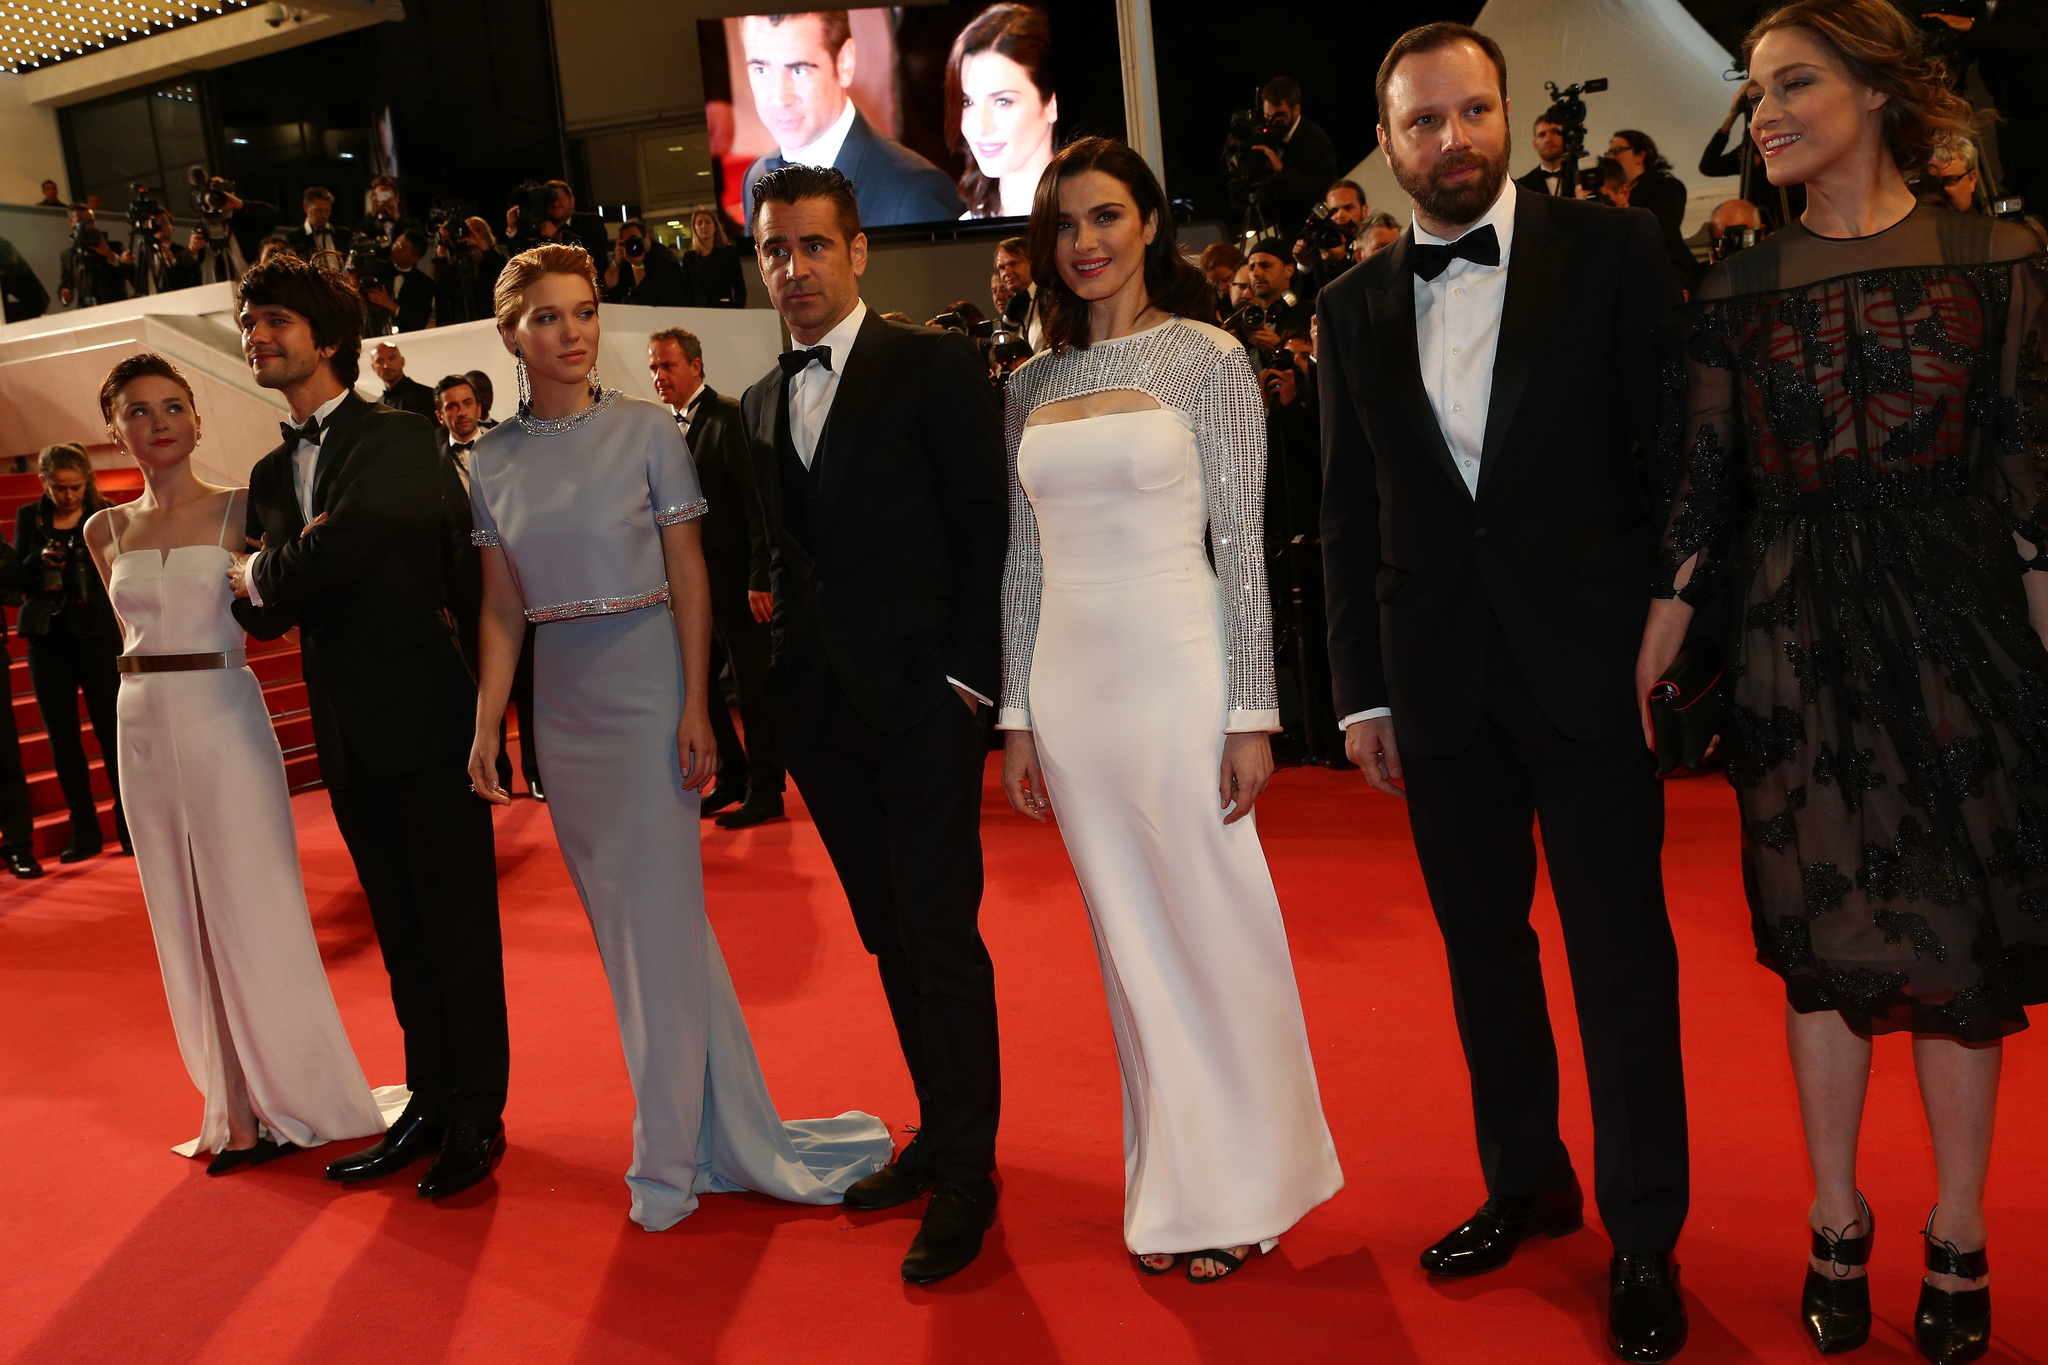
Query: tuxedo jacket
x,y
736,550
891,183
1557,543
461,565
385,680
302,241
1535,182
409,395
895,581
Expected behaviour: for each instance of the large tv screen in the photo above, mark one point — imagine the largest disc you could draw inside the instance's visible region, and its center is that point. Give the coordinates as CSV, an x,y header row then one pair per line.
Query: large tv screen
x,y
936,113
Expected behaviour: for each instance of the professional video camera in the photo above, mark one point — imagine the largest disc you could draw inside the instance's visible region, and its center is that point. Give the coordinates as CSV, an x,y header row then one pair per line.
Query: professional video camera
x,y
535,201
209,193
447,221
369,261
1735,239
1568,112
142,211
967,327
1246,171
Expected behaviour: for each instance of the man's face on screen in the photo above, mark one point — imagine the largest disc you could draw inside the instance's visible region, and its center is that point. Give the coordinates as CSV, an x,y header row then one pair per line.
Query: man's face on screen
x,y
799,85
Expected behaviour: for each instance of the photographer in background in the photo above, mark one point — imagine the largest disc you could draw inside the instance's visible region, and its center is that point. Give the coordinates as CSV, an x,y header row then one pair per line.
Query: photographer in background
x,y
1735,226
385,218
1650,182
564,224
466,265
406,303
93,273
1240,291
1379,233
1950,178
1323,251
229,238
1303,163
318,232
1278,308
643,271
1220,262
1548,177
161,264
25,298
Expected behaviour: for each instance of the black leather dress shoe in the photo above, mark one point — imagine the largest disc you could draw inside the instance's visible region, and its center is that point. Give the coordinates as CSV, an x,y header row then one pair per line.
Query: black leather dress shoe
x,y
754,811
24,866
470,1153
899,1182
75,852
954,1221
719,797
410,1139
1645,1316
1488,1239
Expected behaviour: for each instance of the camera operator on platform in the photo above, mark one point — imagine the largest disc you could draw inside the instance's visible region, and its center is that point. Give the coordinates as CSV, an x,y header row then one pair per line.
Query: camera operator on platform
x,y
565,225
319,232
467,260
386,217
229,238
91,270
1323,251
162,264
1303,164
1549,175
406,303
643,271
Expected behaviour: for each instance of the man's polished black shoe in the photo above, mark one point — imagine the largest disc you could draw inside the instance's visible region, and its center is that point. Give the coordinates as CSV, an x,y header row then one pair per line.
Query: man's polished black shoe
x,y
753,811
470,1153
1645,1316
899,1182
1488,1239
24,866
410,1139
76,852
719,797
954,1221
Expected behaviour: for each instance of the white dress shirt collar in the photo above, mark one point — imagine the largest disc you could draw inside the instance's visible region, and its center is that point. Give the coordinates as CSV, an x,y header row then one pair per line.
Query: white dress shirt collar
x,y
824,149
840,338
1501,216
812,389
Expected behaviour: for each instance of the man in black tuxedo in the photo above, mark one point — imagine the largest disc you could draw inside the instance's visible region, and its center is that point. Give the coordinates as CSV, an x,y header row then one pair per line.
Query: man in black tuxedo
x,y
407,395
801,67
458,414
736,555
1303,164
349,514
406,303
319,232
878,454
1550,175
1488,383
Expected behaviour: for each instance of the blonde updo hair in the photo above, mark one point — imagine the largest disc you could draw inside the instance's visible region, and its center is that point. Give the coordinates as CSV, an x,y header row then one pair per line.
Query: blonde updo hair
x,y
1883,50
522,272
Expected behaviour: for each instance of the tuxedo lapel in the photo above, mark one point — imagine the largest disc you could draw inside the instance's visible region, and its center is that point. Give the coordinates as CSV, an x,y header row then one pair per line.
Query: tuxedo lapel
x,y
1393,325
337,444
1535,266
860,379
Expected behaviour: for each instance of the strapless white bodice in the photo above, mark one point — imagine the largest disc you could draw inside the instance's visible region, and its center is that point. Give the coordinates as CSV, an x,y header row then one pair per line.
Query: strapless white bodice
x,y
175,603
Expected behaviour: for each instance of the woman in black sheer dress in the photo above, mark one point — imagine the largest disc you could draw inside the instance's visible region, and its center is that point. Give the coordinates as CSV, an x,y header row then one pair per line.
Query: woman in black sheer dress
x,y
1858,456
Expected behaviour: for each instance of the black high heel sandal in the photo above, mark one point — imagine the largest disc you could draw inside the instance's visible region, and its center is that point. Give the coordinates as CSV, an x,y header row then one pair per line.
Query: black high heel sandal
x,y
1953,1328
1836,1309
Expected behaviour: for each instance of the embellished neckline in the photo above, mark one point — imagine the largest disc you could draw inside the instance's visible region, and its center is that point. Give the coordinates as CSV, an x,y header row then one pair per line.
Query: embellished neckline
x,y
555,426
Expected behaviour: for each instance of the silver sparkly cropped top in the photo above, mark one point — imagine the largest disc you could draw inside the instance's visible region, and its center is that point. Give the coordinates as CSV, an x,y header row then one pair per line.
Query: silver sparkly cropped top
x,y
1202,373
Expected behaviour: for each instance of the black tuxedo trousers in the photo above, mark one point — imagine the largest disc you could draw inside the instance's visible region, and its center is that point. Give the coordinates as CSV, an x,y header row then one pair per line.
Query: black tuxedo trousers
x,y
1601,812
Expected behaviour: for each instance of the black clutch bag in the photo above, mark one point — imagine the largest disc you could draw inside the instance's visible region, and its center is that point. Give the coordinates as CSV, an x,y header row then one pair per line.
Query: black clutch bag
x,y
1688,705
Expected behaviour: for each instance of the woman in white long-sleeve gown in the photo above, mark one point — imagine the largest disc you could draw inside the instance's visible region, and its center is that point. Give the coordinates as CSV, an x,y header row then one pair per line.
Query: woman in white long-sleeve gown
x,y
1138,691
204,786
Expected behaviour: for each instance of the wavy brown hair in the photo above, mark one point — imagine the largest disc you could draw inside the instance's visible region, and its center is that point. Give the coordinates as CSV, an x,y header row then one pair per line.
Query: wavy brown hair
x,y
1020,33
1174,283
1883,50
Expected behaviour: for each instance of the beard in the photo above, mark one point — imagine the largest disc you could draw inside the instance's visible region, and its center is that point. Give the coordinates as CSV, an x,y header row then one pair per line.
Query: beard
x,y
287,371
1452,204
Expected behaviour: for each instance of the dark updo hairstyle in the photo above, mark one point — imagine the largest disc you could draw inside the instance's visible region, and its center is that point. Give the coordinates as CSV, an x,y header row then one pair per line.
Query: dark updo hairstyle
x,y
1020,33
1884,51
1645,146
127,371
325,298
1175,284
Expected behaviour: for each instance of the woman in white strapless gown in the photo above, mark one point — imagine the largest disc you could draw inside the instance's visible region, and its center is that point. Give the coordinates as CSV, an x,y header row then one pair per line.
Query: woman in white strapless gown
x,y
1137,691
204,786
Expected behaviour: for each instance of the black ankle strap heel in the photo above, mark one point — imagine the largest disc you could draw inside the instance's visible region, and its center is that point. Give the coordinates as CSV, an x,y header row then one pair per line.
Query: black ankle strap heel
x,y
1953,1328
1836,1310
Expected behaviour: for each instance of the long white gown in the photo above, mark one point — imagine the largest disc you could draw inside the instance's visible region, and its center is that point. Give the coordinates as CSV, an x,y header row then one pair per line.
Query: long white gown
x,y
203,783
1128,657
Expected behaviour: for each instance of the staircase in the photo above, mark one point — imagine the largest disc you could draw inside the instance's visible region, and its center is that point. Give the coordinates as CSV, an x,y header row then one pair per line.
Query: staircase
x,y
276,665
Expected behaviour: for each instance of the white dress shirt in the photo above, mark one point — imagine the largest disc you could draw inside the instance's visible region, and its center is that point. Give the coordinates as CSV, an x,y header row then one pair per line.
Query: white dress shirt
x,y
1457,332
305,465
824,148
686,415
811,391
461,457
319,239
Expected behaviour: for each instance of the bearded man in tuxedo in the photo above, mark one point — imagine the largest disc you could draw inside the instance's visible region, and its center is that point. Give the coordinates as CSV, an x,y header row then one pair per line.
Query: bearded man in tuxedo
x,y
1488,384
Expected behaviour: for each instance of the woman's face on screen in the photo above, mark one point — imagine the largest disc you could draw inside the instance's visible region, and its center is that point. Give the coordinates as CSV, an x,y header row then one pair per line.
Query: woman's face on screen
x,y
1006,122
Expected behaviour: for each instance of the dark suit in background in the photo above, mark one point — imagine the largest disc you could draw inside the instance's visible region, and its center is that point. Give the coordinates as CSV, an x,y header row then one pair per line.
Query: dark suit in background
x,y
736,555
394,708
304,243
716,280
1502,631
891,183
1308,163
464,572
887,575
413,290
1538,181
409,395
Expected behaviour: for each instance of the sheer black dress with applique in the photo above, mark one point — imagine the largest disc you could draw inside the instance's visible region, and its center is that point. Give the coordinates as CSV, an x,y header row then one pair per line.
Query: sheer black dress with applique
x,y
1856,451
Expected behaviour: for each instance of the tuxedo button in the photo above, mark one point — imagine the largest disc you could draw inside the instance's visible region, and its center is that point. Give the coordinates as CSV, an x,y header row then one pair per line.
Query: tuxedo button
x,y
1479,533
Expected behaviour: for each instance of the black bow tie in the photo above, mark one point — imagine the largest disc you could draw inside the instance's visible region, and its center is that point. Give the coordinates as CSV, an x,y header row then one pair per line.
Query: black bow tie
x,y
1481,248
309,433
460,447
793,362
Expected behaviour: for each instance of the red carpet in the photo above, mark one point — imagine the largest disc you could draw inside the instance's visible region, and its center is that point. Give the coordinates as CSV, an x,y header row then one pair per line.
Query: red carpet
x,y
118,1251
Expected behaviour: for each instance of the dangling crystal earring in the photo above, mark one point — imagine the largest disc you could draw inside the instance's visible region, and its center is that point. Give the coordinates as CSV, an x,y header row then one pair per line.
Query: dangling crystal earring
x,y
596,385
525,389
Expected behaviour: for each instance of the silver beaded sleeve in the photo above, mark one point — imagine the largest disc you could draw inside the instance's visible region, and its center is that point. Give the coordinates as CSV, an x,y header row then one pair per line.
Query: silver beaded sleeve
x,y
1206,374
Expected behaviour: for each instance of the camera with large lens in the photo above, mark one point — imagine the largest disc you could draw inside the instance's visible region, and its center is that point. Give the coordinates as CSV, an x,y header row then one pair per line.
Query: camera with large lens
x,y
633,248
1737,238
369,261
535,201
1250,129
142,211
209,193
1325,233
